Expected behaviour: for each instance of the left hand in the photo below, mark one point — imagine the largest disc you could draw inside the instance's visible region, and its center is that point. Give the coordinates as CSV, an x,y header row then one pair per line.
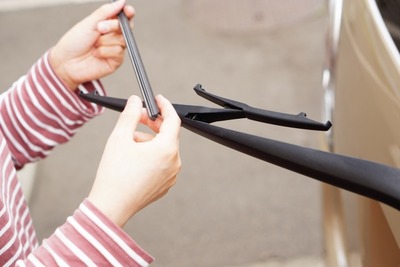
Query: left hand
x,y
93,48
137,169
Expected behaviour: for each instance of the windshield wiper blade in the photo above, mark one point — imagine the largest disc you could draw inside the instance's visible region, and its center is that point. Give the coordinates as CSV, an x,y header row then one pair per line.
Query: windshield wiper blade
x,y
367,178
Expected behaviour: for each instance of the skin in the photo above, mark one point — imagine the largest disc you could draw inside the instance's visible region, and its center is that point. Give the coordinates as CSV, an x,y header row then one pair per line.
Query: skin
x,y
99,51
136,168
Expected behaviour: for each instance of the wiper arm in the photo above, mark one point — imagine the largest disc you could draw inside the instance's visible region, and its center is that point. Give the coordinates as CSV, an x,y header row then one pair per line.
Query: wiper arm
x,y
370,179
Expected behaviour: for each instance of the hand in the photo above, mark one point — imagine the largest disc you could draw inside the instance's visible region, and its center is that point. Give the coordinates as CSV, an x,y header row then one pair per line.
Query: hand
x,y
137,168
93,48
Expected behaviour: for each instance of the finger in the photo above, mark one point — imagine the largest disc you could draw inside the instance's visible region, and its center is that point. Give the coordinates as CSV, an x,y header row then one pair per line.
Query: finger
x,y
112,25
171,123
153,125
129,118
111,39
129,11
142,137
108,26
115,52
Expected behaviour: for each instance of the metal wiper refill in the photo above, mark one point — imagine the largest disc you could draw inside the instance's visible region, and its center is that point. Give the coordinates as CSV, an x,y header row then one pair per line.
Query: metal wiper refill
x,y
367,178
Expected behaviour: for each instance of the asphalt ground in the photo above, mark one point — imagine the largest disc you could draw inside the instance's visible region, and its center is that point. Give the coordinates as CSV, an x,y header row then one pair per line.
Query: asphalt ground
x,y
227,209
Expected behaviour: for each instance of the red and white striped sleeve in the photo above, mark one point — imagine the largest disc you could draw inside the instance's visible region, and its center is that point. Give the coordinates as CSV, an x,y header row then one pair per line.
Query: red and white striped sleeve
x,y
38,112
88,238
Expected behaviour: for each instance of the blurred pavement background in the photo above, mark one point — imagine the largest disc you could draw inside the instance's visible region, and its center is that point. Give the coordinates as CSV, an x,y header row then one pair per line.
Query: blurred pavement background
x,y
227,209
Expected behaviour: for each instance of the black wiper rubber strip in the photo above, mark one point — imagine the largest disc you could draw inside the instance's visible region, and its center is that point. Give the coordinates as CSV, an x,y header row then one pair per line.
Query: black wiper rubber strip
x,y
136,60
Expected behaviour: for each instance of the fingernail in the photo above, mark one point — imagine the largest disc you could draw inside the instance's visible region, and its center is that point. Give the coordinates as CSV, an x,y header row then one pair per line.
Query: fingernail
x,y
134,100
102,27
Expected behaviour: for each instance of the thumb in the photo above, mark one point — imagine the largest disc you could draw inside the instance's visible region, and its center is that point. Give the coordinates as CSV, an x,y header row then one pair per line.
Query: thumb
x,y
107,11
129,118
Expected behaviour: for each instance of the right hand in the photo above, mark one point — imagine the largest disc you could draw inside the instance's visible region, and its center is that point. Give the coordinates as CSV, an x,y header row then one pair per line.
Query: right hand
x,y
136,168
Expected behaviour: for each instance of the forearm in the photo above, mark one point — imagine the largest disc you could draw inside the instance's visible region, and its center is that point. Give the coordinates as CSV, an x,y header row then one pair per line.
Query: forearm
x,y
38,112
89,238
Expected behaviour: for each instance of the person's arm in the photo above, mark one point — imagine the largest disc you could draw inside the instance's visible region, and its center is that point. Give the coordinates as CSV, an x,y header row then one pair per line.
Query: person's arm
x,y
42,109
88,238
38,112
136,169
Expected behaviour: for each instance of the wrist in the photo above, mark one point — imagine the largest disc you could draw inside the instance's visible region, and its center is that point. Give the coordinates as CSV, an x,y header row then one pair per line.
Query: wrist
x,y
115,214
58,66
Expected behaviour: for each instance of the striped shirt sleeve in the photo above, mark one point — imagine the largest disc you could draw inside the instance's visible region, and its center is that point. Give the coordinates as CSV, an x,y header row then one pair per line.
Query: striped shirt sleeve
x,y
38,113
88,238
